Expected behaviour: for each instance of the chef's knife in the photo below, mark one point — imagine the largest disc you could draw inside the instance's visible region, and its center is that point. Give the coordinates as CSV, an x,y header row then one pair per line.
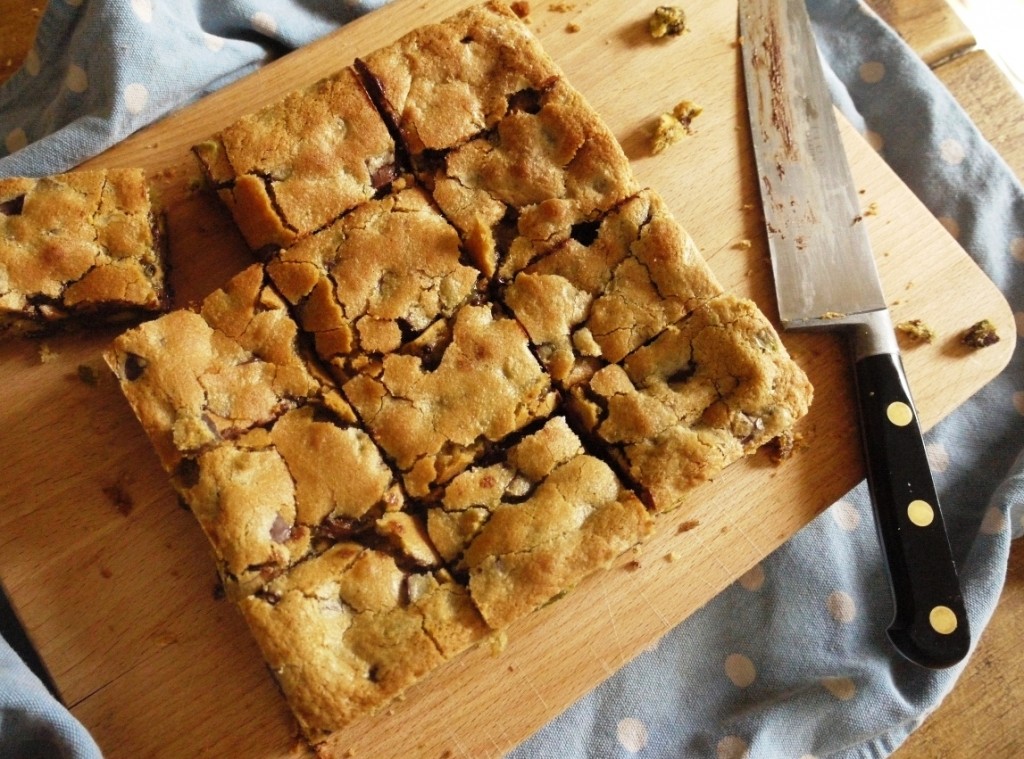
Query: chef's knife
x,y
825,278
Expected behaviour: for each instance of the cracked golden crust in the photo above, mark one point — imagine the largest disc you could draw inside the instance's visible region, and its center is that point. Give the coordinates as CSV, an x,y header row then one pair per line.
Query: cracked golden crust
x,y
81,244
390,267
349,630
298,164
435,420
519,190
709,389
529,528
194,378
598,300
444,83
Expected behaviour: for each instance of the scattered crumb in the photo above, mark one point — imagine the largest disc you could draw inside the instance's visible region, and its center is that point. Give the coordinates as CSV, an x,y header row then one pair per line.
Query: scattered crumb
x,y
511,668
688,525
521,8
916,330
106,573
47,354
872,209
748,207
88,375
981,335
498,641
782,447
674,126
832,315
561,7
572,27
672,556
743,244
667,21
632,566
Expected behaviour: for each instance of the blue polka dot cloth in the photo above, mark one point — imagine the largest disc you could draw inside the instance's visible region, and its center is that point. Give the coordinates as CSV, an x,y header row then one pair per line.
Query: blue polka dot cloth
x,y
792,660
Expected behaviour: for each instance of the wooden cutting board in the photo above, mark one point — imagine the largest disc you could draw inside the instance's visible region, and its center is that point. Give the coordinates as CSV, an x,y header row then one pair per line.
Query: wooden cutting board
x,y
113,580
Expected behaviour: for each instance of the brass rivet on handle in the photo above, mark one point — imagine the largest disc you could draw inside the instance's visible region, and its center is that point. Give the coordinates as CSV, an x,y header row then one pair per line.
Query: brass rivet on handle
x,y
899,413
921,513
942,619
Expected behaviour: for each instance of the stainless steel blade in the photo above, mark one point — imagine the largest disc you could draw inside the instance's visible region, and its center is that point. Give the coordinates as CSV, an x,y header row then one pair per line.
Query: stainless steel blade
x,y
824,268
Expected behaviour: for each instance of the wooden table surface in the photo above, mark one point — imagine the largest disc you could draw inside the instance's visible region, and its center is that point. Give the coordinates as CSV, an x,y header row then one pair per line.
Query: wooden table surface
x,y
977,718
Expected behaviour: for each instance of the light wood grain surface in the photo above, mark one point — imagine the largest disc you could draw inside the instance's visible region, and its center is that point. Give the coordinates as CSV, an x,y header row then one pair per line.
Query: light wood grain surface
x,y
971,722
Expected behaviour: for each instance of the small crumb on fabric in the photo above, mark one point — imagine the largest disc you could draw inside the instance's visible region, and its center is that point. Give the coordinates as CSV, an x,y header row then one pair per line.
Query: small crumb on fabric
x,y
981,335
916,330
667,21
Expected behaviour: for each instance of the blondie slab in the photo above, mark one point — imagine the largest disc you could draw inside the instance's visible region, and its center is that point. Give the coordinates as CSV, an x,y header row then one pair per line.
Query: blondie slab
x,y
298,164
81,245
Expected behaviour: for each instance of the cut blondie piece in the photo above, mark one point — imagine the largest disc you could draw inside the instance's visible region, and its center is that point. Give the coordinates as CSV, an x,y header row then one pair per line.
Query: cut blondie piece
x,y
440,402
298,164
444,83
349,630
528,528
77,246
594,300
374,279
545,174
707,390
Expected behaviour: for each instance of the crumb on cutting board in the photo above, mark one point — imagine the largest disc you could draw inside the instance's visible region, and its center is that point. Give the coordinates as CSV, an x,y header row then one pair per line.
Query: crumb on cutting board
x,y
916,330
667,21
673,127
521,8
981,334
782,447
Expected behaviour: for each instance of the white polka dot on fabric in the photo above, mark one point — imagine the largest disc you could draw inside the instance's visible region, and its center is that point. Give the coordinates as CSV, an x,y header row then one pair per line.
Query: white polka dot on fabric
x,y
952,152
875,140
1018,319
840,687
144,10
631,734
951,226
740,670
938,456
1018,402
76,80
841,607
845,515
993,523
872,72
135,97
731,747
263,23
15,140
213,42
752,579
1017,248
32,62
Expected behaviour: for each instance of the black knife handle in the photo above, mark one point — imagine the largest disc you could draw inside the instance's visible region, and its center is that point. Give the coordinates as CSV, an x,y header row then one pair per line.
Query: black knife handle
x,y
930,624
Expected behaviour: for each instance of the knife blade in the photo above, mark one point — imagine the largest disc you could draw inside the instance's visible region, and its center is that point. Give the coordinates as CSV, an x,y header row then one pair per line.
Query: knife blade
x,y
825,278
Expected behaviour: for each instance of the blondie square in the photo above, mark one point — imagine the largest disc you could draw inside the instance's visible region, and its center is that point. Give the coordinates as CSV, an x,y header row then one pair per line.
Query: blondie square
x,y
298,164
375,279
708,389
595,299
84,245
